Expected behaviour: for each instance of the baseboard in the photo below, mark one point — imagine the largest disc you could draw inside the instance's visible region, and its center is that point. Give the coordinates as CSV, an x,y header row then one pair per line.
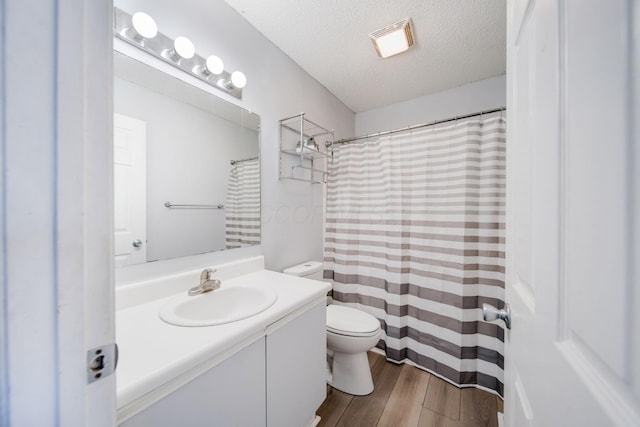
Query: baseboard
x,y
314,422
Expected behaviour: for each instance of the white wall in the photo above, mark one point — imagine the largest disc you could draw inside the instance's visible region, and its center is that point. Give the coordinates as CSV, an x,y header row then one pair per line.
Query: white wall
x,y
292,212
188,154
467,99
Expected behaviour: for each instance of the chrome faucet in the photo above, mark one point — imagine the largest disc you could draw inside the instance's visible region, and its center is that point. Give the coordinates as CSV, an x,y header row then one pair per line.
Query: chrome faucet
x,y
206,283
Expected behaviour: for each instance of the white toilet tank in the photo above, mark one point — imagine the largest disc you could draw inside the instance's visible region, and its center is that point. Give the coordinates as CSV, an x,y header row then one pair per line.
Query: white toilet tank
x,y
309,269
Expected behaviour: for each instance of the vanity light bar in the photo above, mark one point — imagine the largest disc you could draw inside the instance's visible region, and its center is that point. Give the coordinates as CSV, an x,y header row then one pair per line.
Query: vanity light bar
x,y
141,31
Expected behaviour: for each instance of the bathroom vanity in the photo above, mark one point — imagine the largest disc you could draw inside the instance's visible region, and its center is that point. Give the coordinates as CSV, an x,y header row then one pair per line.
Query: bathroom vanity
x,y
264,370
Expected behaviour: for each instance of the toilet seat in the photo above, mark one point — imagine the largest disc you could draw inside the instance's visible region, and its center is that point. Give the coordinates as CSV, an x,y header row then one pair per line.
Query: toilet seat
x,y
352,322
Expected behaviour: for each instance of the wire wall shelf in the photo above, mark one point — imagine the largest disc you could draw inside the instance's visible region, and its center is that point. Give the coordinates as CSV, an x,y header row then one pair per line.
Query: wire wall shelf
x,y
305,150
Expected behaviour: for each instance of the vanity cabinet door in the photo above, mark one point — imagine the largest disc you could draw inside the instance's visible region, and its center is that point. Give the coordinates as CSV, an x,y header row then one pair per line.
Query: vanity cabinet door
x,y
296,369
229,394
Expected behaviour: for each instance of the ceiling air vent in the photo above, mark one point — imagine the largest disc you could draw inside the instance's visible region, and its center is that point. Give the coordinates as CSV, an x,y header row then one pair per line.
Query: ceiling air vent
x,y
392,39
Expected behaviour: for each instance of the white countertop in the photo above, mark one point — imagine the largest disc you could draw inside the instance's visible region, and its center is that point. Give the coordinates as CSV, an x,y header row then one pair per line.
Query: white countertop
x,y
155,355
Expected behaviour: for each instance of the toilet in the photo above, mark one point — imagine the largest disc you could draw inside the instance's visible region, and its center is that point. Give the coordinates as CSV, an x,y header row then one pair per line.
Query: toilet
x,y
350,334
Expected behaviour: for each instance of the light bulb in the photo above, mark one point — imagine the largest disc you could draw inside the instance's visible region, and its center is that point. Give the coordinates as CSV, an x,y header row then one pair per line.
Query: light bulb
x,y
184,48
144,25
238,79
214,65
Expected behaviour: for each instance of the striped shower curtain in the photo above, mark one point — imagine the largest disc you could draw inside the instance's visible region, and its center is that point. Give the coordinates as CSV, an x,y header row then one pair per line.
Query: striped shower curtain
x,y
415,236
243,205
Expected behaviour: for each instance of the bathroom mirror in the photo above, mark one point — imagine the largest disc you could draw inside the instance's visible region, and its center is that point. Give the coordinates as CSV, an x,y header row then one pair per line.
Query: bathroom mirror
x,y
186,168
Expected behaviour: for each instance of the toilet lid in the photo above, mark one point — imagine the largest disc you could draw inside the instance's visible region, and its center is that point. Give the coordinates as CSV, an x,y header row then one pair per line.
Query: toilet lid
x,y
350,321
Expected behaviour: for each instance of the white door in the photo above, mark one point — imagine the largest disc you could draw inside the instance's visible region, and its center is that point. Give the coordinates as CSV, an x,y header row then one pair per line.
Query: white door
x,y
572,355
130,190
56,268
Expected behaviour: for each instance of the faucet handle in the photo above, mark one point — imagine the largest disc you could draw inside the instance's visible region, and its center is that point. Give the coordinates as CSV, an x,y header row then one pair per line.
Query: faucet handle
x,y
206,274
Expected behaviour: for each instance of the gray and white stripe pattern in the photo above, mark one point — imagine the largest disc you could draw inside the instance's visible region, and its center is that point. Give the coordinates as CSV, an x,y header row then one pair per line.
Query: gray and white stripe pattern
x,y
415,236
243,205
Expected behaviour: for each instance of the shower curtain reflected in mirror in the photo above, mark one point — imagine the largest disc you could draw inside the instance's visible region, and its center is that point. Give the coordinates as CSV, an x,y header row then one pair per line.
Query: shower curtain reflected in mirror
x,y
243,204
415,236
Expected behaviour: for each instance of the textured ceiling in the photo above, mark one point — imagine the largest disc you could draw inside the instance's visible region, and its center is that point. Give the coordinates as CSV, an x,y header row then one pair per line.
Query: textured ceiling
x,y
457,42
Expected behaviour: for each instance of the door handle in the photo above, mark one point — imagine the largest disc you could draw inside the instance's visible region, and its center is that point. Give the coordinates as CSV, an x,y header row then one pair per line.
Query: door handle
x,y
490,313
137,243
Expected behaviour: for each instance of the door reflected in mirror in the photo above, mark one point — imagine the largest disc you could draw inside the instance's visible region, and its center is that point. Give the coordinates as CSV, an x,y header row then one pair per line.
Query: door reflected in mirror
x,y
186,168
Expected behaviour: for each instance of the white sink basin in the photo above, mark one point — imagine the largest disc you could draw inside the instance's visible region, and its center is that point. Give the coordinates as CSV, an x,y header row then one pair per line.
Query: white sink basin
x,y
224,305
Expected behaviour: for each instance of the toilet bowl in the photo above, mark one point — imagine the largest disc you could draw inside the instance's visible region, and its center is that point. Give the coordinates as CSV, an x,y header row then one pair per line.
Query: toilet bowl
x,y
350,334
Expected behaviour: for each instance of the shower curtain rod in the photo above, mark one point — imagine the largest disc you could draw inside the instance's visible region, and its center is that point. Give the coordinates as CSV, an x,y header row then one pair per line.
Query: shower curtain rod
x,y
412,127
233,162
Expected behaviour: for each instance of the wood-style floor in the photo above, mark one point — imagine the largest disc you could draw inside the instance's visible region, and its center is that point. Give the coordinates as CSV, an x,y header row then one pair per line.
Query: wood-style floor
x,y
405,396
